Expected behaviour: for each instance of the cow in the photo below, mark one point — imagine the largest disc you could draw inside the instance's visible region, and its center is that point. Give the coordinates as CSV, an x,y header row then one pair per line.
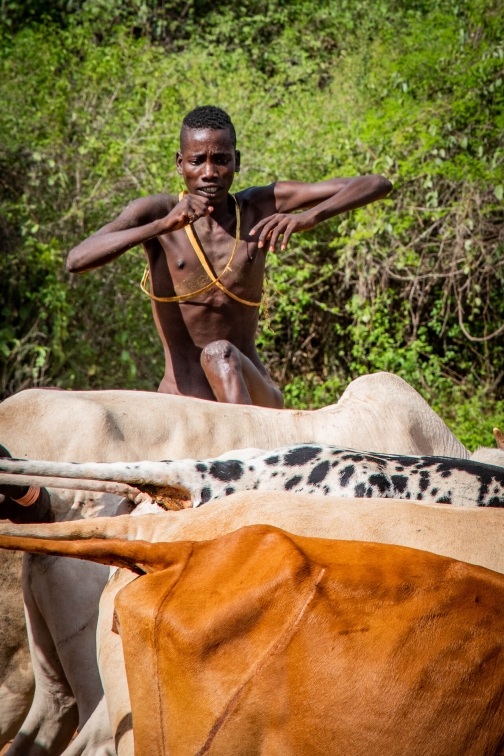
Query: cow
x,y
17,688
300,468
61,603
16,676
262,641
473,535
379,412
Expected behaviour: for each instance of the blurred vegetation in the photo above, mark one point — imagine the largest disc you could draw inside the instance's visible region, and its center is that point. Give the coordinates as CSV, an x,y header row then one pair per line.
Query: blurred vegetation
x,y
92,94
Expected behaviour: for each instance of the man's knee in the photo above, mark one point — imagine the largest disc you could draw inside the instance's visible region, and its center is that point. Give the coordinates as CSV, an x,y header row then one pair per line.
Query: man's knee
x,y
218,352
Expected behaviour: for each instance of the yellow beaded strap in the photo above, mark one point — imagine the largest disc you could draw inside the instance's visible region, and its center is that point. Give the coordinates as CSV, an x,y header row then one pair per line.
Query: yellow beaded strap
x,y
215,281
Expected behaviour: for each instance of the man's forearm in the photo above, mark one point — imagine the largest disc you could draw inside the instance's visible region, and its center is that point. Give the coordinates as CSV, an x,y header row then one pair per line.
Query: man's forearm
x,y
348,194
102,248
359,192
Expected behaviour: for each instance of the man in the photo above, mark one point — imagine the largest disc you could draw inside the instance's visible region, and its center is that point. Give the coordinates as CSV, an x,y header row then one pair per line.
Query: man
x,y
206,254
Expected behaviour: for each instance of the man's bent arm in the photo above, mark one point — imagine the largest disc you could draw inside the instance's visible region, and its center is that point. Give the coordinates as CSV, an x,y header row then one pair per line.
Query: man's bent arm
x,y
100,249
138,223
143,219
324,200
333,196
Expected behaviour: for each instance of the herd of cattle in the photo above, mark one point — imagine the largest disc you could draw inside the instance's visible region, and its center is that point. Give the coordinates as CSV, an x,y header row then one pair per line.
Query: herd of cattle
x,y
334,584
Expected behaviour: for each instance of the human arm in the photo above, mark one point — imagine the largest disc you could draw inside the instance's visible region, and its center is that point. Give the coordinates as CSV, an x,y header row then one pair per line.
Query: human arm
x,y
324,200
142,220
23,503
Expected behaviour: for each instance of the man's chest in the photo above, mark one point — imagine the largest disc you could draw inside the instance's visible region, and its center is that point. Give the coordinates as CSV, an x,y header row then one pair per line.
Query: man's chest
x,y
183,254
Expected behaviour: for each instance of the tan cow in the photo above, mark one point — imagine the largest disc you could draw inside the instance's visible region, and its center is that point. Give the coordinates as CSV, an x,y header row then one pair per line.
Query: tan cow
x,y
16,676
264,642
378,412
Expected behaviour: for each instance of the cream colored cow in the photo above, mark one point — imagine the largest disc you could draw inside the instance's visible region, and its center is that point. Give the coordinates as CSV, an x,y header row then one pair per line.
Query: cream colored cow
x,y
379,412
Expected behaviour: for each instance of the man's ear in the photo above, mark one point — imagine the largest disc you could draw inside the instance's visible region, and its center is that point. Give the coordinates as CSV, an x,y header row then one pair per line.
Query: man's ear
x,y
237,161
178,162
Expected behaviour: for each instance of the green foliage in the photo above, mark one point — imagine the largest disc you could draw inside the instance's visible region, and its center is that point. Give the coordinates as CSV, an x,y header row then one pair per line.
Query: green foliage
x,y
93,93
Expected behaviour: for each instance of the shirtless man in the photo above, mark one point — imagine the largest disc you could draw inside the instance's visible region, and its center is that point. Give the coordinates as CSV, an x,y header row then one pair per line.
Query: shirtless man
x,y
206,254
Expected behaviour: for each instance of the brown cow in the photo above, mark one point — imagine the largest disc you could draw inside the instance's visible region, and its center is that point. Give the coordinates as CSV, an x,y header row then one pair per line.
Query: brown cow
x,y
260,642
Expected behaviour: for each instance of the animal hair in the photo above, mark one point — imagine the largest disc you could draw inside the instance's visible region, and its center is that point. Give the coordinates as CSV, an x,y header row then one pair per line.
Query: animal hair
x,y
333,471
208,117
488,456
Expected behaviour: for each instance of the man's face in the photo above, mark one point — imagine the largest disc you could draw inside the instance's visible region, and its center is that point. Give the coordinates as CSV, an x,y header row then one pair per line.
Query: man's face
x,y
208,162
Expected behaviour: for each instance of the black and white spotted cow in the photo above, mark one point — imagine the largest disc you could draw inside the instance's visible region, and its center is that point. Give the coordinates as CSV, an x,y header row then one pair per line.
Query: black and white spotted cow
x,y
307,468
343,472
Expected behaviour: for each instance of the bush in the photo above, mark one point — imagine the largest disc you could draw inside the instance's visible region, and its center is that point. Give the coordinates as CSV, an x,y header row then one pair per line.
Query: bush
x,y
93,96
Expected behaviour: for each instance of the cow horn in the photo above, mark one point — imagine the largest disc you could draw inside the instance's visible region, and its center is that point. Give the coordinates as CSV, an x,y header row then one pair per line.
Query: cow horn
x,y
142,475
98,528
499,438
138,556
75,484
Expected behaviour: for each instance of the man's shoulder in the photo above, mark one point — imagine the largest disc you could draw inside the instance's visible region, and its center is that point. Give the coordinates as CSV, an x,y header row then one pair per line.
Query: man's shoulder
x,y
259,198
155,199
152,206
256,193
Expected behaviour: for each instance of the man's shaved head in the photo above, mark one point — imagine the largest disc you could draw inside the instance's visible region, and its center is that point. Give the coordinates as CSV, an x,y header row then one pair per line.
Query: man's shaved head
x,y
207,117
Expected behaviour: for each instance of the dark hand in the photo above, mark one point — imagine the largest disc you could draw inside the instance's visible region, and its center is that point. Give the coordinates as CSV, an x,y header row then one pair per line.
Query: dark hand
x,y
282,224
4,453
189,209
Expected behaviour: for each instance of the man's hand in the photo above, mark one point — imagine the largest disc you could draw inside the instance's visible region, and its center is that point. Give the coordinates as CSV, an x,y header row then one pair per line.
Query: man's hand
x,y
282,224
189,209
324,200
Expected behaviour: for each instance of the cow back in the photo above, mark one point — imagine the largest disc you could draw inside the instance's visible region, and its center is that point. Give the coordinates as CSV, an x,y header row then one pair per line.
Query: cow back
x,y
260,642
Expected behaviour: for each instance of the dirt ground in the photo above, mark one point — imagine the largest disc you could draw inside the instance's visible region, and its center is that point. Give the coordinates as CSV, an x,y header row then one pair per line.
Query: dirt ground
x,y
6,747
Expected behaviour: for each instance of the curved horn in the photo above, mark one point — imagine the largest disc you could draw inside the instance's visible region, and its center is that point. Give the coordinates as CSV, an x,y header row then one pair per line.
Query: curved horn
x,y
499,438
101,528
138,556
153,473
160,480
100,486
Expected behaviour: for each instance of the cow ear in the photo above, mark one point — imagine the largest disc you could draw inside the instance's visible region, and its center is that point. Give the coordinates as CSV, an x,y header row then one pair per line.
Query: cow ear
x,y
499,438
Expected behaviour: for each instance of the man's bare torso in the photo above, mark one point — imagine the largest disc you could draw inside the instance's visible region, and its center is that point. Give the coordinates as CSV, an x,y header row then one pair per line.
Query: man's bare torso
x,y
185,328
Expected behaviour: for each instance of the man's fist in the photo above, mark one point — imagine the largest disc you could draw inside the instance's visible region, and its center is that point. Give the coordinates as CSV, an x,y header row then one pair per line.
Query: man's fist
x,y
189,209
